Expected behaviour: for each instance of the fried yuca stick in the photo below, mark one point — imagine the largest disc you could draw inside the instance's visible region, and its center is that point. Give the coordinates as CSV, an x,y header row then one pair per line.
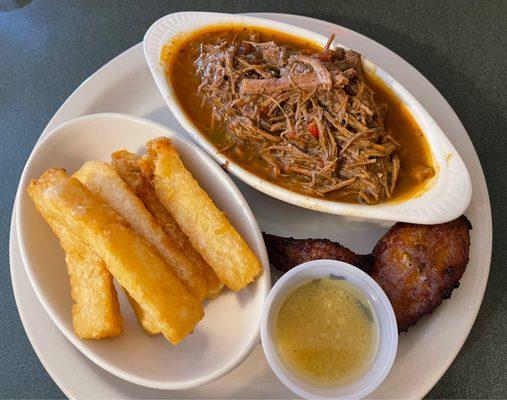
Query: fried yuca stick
x,y
209,231
103,181
127,166
130,259
148,324
95,312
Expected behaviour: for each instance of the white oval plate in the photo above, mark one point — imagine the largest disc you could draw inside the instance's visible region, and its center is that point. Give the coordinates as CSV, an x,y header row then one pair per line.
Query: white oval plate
x,y
424,354
447,195
230,328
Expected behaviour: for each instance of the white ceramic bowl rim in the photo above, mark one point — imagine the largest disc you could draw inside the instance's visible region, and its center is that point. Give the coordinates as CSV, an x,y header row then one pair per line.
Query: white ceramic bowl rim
x,y
385,317
447,197
80,344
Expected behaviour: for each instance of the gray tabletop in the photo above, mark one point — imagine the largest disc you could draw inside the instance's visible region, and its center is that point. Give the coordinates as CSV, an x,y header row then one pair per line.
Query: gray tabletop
x,y
47,48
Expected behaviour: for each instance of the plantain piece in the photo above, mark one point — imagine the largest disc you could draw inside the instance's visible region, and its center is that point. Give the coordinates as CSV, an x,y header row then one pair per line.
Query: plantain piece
x,y
95,312
418,266
103,181
127,166
286,253
207,228
130,259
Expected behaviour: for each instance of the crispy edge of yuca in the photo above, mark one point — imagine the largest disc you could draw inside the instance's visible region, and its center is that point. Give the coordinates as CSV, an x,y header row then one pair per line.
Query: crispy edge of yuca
x,y
127,166
95,310
103,180
130,259
208,229
149,325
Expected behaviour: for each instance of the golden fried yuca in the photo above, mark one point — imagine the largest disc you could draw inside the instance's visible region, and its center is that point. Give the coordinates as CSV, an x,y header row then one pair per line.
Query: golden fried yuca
x,y
148,324
103,180
129,258
209,231
127,166
95,312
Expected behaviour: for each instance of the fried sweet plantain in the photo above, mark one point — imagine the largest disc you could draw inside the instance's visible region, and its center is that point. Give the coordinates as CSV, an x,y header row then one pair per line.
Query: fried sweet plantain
x,y
286,253
419,265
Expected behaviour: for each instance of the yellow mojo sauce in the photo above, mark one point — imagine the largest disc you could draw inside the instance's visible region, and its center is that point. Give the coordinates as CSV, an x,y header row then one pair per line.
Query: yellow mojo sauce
x,y
325,332
178,58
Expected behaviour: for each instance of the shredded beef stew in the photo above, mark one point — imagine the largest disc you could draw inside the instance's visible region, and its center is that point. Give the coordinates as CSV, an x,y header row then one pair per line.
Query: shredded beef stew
x,y
308,114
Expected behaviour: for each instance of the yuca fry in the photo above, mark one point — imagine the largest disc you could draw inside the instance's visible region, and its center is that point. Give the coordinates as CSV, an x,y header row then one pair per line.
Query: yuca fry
x,y
127,166
149,325
130,259
95,312
209,231
103,181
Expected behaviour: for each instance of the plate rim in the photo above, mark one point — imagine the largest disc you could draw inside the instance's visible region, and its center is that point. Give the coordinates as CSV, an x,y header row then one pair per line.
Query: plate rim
x,y
13,241
481,177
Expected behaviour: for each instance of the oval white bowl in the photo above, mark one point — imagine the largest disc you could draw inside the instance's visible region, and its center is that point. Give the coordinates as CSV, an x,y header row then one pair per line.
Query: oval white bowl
x,y
230,328
446,197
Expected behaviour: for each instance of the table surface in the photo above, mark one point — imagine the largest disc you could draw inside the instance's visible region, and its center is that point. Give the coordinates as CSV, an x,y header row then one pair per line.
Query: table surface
x,y
47,48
